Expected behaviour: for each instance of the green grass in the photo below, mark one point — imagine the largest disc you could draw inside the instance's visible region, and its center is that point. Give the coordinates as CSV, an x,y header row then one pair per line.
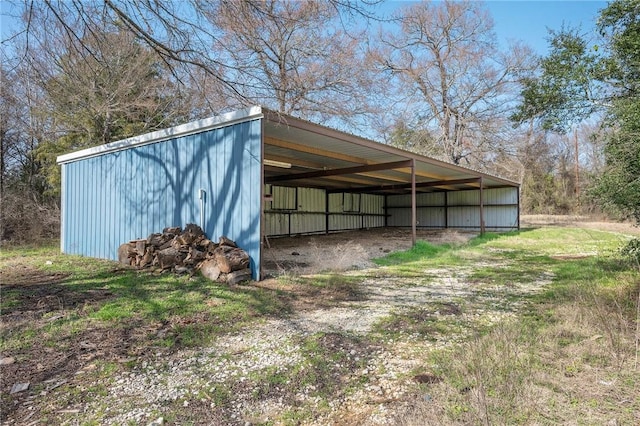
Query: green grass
x,y
197,309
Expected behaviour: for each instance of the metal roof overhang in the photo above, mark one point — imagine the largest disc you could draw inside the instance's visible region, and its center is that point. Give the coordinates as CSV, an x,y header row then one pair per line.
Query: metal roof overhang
x,y
300,153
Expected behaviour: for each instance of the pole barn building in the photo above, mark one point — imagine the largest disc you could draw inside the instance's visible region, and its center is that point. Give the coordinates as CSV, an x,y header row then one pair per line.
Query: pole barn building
x,y
254,173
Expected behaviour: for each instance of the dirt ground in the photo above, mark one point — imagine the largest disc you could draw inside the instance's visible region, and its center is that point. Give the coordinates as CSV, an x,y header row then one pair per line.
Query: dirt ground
x,y
342,251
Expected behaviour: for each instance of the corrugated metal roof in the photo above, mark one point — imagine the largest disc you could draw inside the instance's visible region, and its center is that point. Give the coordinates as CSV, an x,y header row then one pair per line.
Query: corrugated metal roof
x,y
307,146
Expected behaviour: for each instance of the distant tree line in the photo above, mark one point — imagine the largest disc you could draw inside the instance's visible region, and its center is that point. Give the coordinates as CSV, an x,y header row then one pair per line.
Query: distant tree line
x,y
430,77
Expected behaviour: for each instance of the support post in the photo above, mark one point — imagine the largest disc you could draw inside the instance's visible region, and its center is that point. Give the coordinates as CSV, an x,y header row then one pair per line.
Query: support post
x,y
326,212
481,208
446,209
413,202
518,208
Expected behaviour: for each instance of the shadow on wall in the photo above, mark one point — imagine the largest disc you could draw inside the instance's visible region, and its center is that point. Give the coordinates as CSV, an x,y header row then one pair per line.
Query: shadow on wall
x,y
144,189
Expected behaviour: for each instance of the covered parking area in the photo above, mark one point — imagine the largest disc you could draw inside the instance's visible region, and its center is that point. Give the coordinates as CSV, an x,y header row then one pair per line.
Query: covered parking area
x,y
321,180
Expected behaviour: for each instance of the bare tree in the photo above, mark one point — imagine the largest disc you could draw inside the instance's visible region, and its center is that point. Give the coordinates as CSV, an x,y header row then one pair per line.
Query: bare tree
x,y
457,82
98,82
185,35
293,57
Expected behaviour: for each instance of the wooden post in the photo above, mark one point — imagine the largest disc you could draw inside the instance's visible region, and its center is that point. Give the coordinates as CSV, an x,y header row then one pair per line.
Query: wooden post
x,y
481,208
413,202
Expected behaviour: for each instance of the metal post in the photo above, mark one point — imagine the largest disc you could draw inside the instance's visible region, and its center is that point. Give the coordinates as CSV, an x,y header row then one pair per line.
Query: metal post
x,y
481,208
413,202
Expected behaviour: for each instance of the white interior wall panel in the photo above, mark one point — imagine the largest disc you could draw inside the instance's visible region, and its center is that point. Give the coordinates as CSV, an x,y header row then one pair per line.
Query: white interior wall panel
x,y
339,222
500,196
463,217
457,209
303,211
311,200
422,199
372,204
307,223
276,223
335,203
373,222
496,218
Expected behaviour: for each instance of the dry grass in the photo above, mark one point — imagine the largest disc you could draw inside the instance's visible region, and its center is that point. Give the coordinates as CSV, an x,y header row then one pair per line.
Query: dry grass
x,y
599,223
338,252
580,366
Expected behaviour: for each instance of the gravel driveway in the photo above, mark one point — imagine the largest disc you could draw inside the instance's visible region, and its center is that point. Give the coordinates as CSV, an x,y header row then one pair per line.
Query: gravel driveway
x,y
237,363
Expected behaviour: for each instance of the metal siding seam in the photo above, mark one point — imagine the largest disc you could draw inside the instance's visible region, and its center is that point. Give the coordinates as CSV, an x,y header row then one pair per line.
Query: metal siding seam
x,y
100,194
90,209
63,208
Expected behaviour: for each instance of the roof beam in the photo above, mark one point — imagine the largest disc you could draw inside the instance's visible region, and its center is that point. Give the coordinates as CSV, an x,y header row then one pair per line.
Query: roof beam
x,y
392,187
313,150
314,165
342,171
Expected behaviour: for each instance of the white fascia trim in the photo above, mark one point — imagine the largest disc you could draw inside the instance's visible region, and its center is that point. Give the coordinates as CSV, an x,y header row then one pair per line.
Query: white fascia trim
x,y
223,120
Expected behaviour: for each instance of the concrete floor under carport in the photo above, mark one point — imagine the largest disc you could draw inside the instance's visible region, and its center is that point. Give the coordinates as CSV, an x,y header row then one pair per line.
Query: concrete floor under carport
x,y
346,250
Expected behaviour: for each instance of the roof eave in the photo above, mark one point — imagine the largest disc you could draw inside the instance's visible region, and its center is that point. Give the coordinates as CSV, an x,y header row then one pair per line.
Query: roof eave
x,y
197,126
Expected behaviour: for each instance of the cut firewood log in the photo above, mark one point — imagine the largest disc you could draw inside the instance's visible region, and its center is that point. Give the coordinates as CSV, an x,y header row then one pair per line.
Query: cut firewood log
x,y
231,260
169,258
147,259
123,254
193,229
175,230
224,241
209,269
194,256
185,251
239,276
141,247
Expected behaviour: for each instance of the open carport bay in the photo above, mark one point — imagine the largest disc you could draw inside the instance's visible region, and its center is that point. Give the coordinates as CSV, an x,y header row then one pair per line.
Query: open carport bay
x,y
341,251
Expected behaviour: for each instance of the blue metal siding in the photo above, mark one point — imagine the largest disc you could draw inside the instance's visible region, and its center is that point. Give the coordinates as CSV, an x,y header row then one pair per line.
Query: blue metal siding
x,y
117,197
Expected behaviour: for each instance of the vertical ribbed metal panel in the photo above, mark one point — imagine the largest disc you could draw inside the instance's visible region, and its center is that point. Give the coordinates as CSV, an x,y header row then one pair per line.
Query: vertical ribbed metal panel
x,y
463,211
284,198
501,217
311,200
276,223
372,204
116,197
344,222
307,223
501,196
464,217
310,214
422,199
335,203
466,198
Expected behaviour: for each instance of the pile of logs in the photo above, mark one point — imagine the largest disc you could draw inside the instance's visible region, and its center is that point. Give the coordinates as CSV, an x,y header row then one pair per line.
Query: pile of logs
x,y
187,251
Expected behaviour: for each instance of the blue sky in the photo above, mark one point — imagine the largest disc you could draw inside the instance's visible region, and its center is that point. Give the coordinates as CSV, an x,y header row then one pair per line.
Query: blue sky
x,y
528,20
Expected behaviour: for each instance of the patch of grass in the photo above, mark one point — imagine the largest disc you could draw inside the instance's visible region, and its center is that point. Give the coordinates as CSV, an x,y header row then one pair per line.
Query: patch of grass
x,y
420,251
342,287
426,322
